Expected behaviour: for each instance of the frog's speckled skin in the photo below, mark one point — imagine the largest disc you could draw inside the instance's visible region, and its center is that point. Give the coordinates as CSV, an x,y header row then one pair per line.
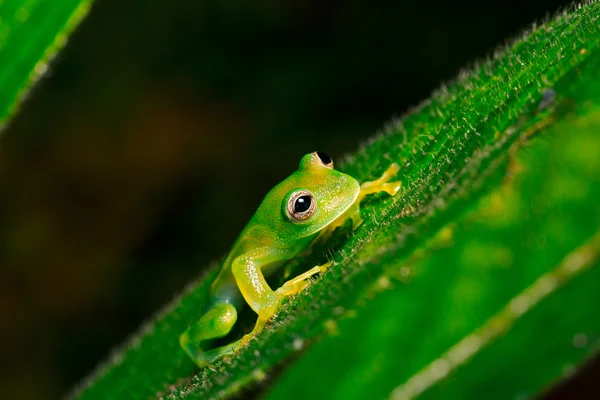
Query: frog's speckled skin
x,y
271,237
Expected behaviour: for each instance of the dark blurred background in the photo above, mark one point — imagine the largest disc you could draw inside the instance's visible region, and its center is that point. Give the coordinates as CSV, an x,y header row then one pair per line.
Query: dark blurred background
x,y
159,128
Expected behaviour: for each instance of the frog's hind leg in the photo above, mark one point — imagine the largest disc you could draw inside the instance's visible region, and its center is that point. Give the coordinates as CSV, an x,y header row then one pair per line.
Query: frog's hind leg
x,y
214,324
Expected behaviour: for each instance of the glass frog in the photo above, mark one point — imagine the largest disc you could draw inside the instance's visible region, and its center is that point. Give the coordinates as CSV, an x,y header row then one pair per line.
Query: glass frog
x,y
304,208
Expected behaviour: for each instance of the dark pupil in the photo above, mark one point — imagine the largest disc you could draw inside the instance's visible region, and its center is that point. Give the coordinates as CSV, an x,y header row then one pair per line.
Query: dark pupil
x,y
325,159
302,204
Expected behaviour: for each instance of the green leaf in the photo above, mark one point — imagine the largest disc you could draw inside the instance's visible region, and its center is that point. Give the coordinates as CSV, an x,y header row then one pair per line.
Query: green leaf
x,y
500,173
500,306
31,34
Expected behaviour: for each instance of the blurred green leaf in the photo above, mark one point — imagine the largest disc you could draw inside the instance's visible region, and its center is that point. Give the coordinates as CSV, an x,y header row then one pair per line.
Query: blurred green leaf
x,y
31,34
470,139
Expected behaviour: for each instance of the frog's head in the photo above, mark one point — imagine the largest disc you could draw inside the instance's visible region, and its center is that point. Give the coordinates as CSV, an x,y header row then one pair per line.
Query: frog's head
x,y
309,199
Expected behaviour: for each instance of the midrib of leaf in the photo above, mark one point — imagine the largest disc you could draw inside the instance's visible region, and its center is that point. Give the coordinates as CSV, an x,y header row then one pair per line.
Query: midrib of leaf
x,y
456,145
572,266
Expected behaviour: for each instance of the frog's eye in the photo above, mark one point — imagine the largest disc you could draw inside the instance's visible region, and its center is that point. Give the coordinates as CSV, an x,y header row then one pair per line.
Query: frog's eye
x,y
324,159
301,206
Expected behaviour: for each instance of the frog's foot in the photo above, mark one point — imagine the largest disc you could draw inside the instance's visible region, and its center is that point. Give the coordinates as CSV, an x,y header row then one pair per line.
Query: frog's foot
x,y
382,184
297,284
265,313
214,324
289,288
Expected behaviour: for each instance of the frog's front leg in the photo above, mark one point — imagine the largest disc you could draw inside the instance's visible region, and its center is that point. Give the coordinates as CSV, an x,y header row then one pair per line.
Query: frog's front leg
x,y
297,284
251,282
381,184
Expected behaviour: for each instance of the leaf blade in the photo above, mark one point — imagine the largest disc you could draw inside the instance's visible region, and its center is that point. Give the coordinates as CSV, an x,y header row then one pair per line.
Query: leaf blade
x,y
31,34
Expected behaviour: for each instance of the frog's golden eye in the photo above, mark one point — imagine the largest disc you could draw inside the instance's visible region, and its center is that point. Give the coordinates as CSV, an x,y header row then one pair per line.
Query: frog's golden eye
x,y
301,206
324,159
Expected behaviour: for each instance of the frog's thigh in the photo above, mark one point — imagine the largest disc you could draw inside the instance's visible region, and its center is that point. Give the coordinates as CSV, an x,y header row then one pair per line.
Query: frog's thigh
x,y
215,323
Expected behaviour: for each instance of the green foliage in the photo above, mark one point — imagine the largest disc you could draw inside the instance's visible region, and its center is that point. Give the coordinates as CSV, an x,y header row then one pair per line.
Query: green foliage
x,y
31,33
477,279
507,259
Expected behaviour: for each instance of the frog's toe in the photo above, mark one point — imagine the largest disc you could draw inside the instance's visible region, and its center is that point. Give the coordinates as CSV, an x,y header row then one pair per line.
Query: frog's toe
x,y
290,288
391,187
